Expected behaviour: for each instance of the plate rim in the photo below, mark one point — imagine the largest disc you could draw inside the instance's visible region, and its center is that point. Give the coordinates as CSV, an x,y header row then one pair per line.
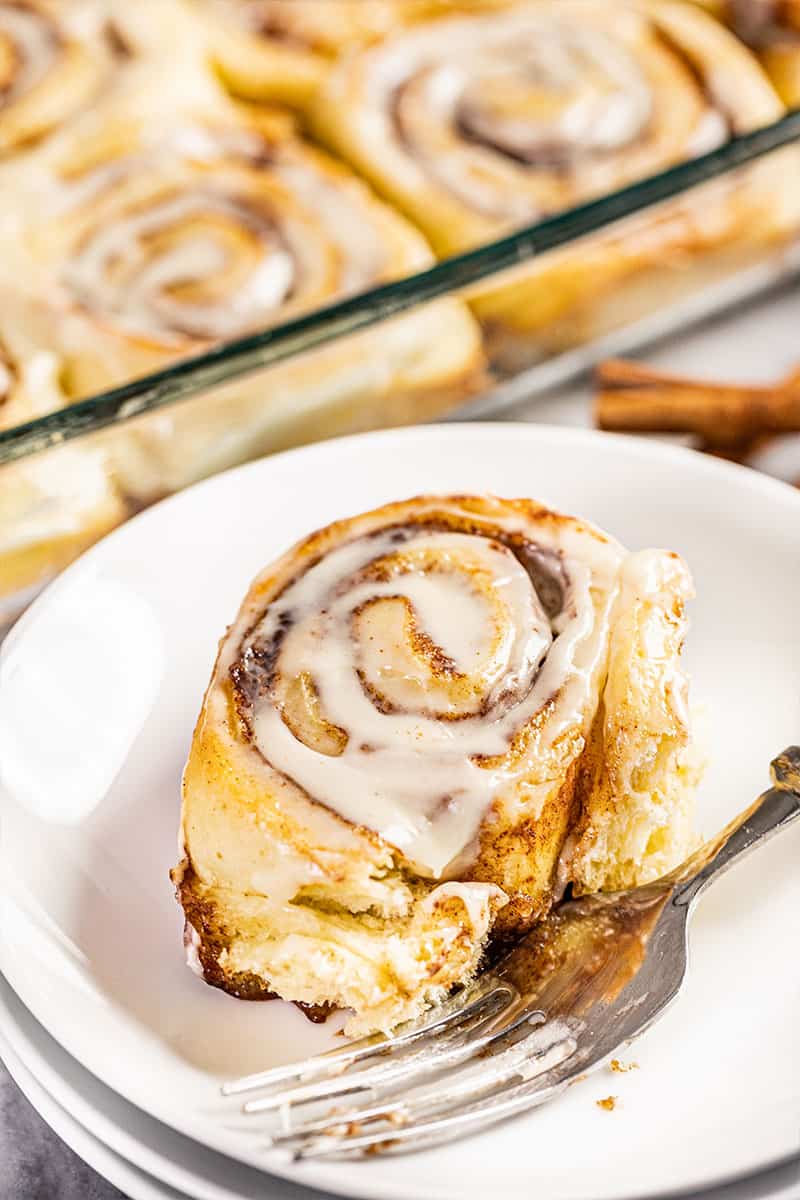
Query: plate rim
x,y
112,1167
23,1044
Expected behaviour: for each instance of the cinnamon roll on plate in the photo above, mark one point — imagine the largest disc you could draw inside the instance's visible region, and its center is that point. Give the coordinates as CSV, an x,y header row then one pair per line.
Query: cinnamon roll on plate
x,y
138,245
424,723
481,124
54,505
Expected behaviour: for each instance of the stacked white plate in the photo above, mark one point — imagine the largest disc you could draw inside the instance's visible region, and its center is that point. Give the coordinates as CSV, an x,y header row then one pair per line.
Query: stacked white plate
x,y
123,1050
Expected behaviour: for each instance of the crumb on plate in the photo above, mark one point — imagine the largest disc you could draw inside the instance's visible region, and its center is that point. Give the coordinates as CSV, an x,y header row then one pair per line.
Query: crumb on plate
x,y
621,1068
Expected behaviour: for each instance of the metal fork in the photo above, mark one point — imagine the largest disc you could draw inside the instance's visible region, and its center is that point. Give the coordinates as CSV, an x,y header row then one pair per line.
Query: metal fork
x,y
591,977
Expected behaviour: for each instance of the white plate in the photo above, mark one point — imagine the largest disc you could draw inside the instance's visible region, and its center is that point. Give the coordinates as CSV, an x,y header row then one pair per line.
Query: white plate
x,y
134,1152
91,935
93,1120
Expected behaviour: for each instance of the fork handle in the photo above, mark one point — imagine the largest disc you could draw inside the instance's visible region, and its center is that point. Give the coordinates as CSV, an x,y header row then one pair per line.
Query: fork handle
x,y
776,808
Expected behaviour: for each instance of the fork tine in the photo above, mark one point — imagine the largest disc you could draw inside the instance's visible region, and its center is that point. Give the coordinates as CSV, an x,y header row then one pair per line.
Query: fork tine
x,y
332,1123
487,995
498,1063
546,1076
378,1077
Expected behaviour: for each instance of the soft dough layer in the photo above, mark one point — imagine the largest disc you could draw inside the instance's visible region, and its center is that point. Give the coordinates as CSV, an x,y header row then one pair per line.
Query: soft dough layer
x,y
424,723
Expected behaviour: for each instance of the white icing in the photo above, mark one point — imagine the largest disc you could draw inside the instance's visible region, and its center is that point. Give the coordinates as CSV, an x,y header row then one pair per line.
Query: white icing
x,y
711,132
186,142
600,98
192,943
348,225
410,773
115,272
284,874
476,898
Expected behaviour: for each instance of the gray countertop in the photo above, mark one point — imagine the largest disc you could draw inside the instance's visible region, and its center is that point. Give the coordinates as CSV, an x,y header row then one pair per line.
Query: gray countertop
x,y
34,1163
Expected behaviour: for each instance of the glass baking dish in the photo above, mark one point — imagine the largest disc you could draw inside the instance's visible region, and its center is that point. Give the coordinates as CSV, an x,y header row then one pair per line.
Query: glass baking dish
x,y
397,354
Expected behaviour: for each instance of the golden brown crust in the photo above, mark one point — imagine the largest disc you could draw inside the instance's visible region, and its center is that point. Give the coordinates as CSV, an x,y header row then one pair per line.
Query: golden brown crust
x,y
206,934
207,931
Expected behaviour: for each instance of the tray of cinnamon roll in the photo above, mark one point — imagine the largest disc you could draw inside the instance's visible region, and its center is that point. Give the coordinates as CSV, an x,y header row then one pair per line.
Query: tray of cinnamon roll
x,y
229,227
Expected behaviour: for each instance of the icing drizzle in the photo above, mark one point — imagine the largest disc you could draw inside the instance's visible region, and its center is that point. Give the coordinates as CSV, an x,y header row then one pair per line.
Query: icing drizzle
x,y
394,678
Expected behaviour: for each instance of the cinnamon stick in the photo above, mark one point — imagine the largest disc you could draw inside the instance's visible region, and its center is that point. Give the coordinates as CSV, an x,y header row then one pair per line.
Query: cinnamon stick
x,y
633,398
738,452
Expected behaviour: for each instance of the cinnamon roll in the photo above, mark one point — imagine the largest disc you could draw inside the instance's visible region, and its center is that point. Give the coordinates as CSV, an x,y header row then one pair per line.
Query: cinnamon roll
x,y
475,126
51,506
58,59
424,723
47,71
139,246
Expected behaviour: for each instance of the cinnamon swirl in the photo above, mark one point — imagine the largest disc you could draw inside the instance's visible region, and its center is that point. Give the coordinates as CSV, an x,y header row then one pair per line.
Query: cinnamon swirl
x,y
424,722
139,246
477,125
